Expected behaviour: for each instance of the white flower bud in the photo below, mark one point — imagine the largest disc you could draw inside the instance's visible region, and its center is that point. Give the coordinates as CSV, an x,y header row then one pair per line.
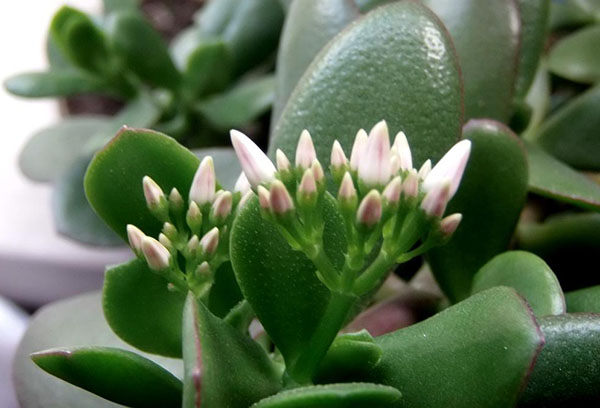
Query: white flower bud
x,y
347,190
410,187
435,201
152,193
358,149
305,152
221,207
193,217
370,209
204,183
175,200
210,241
135,237
157,256
392,191
450,167
264,198
166,242
308,184
317,171
283,164
169,230
338,157
242,184
374,169
425,169
450,223
402,149
256,165
280,200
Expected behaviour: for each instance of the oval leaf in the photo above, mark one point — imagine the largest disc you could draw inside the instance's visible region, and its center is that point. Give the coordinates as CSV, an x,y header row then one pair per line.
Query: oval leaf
x,y
334,396
114,374
396,63
567,371
54,83
486,36
571,134
584,300
113,182
223,367
576,56
141,310
490,197
529,275
476,353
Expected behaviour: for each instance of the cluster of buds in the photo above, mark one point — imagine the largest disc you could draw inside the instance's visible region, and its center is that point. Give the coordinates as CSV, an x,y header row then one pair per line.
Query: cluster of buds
x,y
388,207
194,240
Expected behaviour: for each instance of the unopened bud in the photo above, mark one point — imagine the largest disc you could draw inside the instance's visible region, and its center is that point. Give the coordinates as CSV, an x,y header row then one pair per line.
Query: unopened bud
x,y
175,201
210,241
307,190
374,169
283,164
410,187
264,198
170,231
338,157
255,163
392,191
204,183
242,184
435,201
192,246
157,256
193,217
135,237
280,200
247,196
425,169
402,149
166,242
305,152
370,209
221,207
317,170
155,198
203,272
450,223
450,167
358,149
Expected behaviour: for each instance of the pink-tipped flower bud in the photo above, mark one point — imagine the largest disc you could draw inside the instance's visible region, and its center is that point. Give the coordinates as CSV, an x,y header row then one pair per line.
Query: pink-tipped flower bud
x,y
308,184
255,164
338,157
450,223
264,198
247,196
394,162
317,170
392,191
152,193
435,201
193,217
402,149
203,272
157,256
305,152
242,184
425,169
410,187
175,201
369,210
374,169
210,241
280,199
450,167
204,184
283,164
221,207
347,190
358,149
135,237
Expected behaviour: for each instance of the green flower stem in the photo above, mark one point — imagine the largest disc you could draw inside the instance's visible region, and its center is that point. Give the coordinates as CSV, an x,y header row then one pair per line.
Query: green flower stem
x,y
326,272
369,278
331,322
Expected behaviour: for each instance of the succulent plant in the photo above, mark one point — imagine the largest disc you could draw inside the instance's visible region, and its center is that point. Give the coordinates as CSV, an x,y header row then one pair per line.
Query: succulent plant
x,y
341,268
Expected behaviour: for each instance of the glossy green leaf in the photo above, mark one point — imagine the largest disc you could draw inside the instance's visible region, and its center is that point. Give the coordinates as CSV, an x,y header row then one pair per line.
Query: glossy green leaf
x,y
73,216
207,68
486,36
54,83
571,13
490,197
397,63
552,178
349,395
279,283
142,50
223,367
141,310
113,182
534,27
75,322
576,57
309,25
567,371
529,275
114,374
585,300
252,32
349,355
50,151
538,98
214,16
79,39
239,105
571,133
476,353
569,243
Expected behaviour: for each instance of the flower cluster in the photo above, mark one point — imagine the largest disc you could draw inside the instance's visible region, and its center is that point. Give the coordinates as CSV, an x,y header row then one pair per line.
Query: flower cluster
x,y
392,212
194,240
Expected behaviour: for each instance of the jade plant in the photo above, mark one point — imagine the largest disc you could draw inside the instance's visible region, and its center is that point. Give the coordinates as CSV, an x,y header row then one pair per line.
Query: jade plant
x,y
215,75
424,263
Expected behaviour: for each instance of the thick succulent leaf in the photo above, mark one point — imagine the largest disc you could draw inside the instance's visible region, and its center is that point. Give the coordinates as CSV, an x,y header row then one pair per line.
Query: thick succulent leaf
x,y
54,83
490,197
113,182
367,5
223,367
476,353
252,32
486,36
538,98
552,178
576,57
75,322
584,300
279,283
214,16
572,13
51,150
309,25
73,216
142,50
397,63
349,355
141,310
348,395
569,243
567,371
117,375
207,68
79,39
571,133
240,104
529,275
534,27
